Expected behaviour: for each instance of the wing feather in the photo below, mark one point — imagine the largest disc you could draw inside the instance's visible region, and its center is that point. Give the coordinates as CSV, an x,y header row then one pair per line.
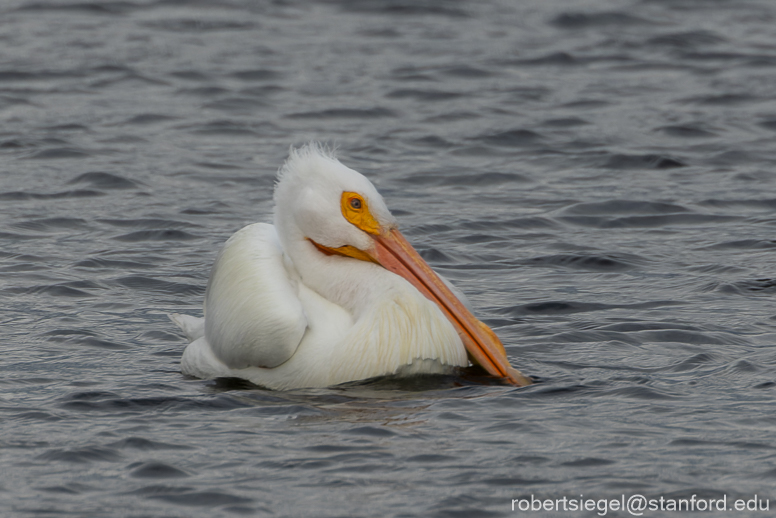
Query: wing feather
x,y
253,316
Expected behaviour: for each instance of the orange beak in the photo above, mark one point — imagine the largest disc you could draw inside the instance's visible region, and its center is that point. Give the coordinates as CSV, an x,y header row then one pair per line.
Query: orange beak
x,y
394,253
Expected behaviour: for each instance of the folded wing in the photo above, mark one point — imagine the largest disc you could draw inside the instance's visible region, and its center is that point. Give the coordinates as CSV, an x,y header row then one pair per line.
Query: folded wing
x,y
253,316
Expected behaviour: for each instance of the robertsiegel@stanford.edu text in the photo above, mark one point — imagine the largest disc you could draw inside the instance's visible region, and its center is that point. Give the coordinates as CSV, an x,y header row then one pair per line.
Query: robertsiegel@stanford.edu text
x,y
639,505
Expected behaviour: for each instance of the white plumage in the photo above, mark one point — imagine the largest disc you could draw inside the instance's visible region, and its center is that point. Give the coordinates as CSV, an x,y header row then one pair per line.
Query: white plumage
x,y
282,312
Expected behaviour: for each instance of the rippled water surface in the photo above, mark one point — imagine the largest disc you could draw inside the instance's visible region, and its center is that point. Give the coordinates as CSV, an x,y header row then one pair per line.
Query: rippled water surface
x,y
598,176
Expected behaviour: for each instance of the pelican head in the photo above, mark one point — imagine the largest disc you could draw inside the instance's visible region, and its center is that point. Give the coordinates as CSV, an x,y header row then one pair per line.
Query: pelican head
x,y
319,199
326,210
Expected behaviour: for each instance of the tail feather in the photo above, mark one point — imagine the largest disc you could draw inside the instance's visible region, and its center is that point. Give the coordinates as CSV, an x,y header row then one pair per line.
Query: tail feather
x,y
192,327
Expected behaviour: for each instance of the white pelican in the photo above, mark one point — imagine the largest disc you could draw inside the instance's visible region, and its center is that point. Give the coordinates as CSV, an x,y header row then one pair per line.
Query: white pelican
x,y
331,293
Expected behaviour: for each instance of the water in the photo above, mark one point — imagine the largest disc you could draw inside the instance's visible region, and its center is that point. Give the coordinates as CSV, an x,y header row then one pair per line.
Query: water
x,y
598,177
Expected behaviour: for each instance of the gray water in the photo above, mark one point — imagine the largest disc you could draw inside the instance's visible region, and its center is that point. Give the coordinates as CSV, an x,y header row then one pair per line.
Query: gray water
x,y
597,176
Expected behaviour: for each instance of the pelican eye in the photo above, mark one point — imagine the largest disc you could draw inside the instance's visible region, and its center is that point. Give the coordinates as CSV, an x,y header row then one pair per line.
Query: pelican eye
x,y
355,209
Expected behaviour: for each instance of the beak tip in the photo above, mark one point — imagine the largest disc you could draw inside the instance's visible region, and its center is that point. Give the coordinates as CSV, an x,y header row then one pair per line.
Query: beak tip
x,y
517,377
